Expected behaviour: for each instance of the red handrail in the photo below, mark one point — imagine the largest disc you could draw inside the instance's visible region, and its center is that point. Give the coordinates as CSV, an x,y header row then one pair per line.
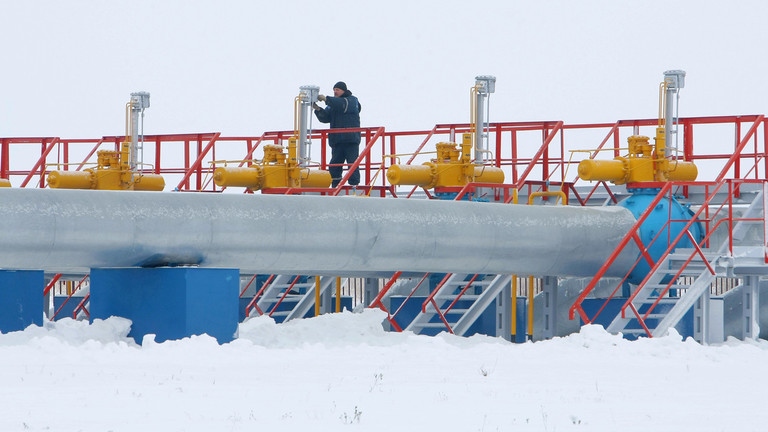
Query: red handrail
x,y
40,164
81,305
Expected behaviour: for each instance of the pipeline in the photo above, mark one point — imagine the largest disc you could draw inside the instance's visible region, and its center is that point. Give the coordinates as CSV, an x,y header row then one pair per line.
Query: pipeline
x,y
71,231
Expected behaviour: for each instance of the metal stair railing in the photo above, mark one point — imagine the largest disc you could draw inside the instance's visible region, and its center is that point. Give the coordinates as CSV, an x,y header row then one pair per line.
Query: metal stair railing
x,y
81,306
443,302
277,288
705,276
444,291
273,294
253,304
310,297
498,283
631,238
386,292
651,287
755,213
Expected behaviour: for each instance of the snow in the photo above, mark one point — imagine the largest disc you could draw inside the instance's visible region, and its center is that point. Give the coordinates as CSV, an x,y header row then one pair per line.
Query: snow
x,y
235,67
343,370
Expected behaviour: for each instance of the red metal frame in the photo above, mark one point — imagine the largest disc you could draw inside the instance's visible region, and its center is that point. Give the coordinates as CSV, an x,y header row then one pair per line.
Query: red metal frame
x,y
532,154
709,210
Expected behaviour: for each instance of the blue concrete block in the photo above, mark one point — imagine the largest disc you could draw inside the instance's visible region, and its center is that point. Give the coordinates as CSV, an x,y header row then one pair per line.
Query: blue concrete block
x,y
21,299
170,302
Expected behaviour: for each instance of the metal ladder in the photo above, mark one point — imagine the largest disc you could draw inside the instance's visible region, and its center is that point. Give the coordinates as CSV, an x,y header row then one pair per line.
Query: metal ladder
x,y
288,290
442,310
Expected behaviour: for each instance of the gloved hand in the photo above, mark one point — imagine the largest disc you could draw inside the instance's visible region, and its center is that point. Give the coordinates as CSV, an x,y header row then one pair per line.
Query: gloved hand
x,y
316,106
321,97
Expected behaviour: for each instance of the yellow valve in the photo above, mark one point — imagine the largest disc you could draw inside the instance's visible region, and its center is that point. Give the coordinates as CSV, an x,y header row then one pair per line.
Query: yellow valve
x,y
452,167
273,154
112,173
71,180
275,176
682,171
488,174
149,182
315,178
275,171
644,163
5,182
417,175
250,177
602,170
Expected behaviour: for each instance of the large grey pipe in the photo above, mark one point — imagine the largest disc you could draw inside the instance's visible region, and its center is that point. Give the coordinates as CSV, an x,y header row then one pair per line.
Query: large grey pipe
x,y
71,231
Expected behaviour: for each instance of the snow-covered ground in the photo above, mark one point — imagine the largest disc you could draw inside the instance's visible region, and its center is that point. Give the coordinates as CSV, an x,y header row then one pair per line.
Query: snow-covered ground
x,y
235,67
343,371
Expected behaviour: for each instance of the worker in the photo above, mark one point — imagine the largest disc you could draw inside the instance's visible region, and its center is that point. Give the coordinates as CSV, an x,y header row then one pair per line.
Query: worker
x,y
342,110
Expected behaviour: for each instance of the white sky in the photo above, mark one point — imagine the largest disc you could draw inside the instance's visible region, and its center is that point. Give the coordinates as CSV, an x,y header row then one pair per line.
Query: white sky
x,y
235,66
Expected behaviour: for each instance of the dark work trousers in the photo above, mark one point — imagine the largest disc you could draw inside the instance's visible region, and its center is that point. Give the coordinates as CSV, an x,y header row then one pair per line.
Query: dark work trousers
x,y
340,153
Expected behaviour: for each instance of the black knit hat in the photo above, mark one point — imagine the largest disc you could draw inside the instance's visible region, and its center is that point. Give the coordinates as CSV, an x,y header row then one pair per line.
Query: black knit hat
x,y
340,85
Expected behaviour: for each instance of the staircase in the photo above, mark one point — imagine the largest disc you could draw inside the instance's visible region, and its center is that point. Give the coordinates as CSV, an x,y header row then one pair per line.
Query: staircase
x,y
684,276
457,302
285,297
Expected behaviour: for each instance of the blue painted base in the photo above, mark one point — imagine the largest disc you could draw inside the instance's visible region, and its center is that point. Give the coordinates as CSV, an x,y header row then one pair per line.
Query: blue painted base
x,y
169,302
21,299
65,306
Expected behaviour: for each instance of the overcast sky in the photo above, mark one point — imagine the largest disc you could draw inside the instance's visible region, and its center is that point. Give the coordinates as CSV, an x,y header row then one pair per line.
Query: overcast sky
x,y
68,68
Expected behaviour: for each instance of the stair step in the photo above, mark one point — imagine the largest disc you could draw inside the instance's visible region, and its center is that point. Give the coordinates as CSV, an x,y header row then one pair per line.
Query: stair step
x,y
279,313
428,325
472,297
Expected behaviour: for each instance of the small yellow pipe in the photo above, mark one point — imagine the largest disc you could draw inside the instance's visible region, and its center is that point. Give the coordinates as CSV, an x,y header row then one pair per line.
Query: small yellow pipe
x,y
127,120
317,295
662,99
514,307
296,110
561,194
529,330
338,294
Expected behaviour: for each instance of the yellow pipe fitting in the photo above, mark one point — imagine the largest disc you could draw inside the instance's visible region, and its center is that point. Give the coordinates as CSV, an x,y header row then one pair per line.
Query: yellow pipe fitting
x,y
250,177
5,182
106,159
293,158
447,152
416,175
560,194
71,180
149,182
112,179
451,175
640,146
488,174
273,154
466,147
275,176
603,170
682,171
315,178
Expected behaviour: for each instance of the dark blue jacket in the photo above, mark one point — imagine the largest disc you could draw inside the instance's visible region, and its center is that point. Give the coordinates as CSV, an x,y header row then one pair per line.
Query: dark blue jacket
x,y
341,112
